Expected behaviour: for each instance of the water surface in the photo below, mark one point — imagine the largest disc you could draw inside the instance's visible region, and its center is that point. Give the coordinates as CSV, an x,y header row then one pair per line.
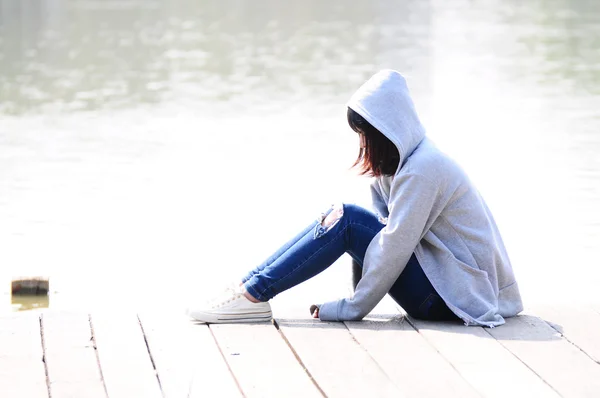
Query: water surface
x,y
154,149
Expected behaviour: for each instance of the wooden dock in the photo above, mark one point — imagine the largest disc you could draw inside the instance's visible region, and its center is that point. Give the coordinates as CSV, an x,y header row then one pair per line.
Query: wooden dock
x,y
554,353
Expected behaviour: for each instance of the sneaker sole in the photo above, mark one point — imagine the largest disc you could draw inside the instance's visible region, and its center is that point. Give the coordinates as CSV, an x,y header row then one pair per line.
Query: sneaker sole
x,y
232,318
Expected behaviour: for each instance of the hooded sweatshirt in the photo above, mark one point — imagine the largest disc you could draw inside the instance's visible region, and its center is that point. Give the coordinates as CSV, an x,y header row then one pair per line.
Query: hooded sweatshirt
x,y
433,211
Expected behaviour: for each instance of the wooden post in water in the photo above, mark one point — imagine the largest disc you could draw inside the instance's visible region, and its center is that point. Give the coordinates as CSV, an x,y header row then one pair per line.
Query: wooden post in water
x,y
30,285
29,292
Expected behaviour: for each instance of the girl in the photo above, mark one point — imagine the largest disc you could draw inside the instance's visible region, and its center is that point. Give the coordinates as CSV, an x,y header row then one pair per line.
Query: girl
x,y
434,246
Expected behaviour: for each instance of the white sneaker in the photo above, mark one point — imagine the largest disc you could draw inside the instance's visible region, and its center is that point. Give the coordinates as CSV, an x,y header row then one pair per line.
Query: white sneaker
x,y
233,308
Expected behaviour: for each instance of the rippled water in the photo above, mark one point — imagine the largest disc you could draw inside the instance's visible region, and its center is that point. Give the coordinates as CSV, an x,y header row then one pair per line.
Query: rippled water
x,y
149,149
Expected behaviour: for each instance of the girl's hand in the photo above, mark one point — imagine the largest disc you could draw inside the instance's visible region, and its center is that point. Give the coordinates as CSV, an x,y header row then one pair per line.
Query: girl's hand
x,y
314,310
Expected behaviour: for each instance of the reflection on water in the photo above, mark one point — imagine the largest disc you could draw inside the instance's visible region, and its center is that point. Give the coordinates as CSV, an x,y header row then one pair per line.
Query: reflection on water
x,y
150,148
90,55
29,302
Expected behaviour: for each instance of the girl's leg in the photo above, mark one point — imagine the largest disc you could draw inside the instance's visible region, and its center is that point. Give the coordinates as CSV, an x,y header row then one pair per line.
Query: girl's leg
x,y
281,250
314,251
413,291
317,247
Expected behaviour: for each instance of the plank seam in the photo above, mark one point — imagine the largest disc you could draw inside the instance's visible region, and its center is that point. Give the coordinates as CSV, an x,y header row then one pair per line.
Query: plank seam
x,y
411,323
353,337
150,355
523,362
570,342
95,345
297,356
44,355
237,383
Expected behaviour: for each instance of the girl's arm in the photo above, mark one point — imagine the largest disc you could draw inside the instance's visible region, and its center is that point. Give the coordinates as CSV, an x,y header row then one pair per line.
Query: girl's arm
x,y
379,203
412,211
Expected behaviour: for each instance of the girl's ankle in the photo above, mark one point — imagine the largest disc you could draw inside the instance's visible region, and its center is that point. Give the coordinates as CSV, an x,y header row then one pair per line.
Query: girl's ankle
x,y
249,296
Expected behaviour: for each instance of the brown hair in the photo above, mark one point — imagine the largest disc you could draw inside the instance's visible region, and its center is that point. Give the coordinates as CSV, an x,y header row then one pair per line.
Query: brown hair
x,y
380,156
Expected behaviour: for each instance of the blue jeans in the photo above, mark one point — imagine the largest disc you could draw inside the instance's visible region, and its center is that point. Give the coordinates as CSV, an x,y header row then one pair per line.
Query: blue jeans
x,y
317,247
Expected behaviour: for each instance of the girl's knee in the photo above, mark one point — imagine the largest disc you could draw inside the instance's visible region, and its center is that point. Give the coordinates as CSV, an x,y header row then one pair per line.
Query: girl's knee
x,y
337,211
352,209
328,220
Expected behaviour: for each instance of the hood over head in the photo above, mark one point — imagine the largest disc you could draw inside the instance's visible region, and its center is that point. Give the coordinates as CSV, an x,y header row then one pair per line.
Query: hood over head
x,y
384,101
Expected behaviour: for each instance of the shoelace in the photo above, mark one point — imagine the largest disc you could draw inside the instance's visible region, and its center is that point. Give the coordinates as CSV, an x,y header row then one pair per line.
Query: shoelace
x,y
230,299
231,293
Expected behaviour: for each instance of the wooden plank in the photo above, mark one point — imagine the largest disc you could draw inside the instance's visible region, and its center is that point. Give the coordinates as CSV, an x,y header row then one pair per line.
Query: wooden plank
x,y
124,359
486,365
404,354
565,367
22,371
340,366
187,358
71,360
579,325
262,362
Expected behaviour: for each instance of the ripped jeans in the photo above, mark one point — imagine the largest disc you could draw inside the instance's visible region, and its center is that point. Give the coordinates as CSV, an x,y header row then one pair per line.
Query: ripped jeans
x,y
318,246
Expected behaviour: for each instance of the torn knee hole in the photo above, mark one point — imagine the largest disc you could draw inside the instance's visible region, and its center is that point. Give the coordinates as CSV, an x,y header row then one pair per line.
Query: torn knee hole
x,y
328,220
333,217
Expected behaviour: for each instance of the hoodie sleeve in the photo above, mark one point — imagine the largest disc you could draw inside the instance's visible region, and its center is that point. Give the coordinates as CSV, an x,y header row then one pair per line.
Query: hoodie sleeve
x,y
412,198
377,198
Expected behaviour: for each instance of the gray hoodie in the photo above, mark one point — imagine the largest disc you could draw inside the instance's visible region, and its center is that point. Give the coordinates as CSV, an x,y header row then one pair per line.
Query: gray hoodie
x,y
434,211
